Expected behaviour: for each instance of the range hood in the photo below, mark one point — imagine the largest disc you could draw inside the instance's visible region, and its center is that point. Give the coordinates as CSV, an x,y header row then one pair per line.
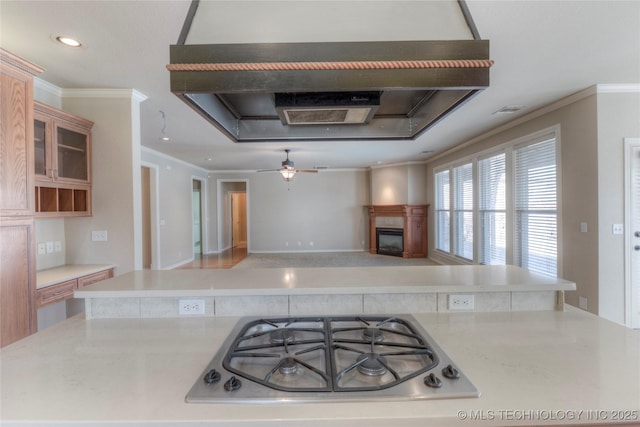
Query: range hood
x,y
352,90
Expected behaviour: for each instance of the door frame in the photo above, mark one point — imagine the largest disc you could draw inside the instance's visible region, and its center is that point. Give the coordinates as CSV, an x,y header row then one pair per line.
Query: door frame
x,y
204,249
154,212
629,145
221,214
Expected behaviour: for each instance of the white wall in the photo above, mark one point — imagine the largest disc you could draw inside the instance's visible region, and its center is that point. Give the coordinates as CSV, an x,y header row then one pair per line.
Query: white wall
x,y
618,117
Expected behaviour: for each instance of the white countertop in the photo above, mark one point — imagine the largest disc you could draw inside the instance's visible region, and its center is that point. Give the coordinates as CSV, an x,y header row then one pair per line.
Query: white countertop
x,y
549,367
52,276
308,281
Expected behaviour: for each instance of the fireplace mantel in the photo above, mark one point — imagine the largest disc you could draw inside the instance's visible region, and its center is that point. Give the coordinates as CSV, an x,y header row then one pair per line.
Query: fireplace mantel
x,y
415,227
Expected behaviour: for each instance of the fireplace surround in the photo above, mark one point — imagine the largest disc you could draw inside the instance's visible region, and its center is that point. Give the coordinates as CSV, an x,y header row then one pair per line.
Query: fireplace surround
x,y
414,221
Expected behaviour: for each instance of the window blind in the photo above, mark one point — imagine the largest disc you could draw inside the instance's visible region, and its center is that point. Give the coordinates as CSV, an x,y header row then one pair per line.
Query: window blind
x,y
492,210
536,239
463,210
442,210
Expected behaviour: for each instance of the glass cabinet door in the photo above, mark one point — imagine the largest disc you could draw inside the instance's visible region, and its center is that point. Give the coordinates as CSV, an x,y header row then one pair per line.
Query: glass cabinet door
x,y
72,154
40,151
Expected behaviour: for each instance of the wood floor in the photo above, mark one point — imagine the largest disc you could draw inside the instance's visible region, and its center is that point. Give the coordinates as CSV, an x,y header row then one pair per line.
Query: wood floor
x,y
226,259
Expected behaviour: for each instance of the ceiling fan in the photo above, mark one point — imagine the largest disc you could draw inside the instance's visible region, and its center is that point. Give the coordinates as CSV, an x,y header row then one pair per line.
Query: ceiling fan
x,y
288,170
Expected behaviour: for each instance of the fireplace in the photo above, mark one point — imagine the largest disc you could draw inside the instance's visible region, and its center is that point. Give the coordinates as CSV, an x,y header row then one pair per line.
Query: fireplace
x,y
389,241
412,221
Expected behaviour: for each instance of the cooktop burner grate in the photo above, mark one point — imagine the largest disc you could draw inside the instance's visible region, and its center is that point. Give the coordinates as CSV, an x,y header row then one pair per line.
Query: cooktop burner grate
x,y
308,358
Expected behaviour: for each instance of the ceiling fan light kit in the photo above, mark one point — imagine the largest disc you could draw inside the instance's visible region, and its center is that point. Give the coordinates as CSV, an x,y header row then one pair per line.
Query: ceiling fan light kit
x,y
288,170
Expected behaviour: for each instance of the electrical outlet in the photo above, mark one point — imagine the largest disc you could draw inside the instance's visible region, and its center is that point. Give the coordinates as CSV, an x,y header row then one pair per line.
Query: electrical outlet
x,y
582,302
189,307
99,235
460,302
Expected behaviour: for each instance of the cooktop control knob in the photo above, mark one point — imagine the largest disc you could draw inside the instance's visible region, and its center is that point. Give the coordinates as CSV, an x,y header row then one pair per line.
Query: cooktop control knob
x,y
450,372
432,381
212,376
232,384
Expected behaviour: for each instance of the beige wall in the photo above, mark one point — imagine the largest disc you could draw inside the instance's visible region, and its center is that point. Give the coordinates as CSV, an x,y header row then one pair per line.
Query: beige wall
x,y
592,128
174,187
399,184
320,212
115,139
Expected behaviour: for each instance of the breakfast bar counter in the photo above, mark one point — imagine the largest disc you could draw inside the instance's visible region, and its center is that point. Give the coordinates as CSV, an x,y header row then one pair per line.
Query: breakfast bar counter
x,y
340,290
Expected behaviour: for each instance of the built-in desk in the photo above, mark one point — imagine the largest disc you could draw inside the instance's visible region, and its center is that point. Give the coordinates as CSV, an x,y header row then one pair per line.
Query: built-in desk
x,y
59,283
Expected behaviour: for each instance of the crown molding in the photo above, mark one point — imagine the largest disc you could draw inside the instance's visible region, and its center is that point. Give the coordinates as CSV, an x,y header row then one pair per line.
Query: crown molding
x,y
104,93
619,88
173,159
45,86
563,102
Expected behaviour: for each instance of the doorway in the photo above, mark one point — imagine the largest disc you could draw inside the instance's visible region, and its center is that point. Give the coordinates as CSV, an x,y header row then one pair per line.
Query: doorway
x,y
149,209
632,234
196,208
233,215
239,219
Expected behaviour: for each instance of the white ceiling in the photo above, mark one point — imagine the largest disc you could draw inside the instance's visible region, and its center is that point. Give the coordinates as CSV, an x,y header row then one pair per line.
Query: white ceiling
x,y
543,51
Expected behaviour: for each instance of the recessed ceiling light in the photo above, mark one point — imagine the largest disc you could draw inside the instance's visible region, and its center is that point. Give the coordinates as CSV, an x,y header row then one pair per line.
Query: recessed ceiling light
x,y
68,41
165,138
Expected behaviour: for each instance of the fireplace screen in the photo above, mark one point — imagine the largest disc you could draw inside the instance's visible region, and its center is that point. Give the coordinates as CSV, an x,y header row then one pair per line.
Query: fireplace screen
x,y
389,241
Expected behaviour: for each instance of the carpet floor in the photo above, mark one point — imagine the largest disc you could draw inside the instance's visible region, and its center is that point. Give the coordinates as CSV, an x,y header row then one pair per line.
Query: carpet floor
x,y
325,259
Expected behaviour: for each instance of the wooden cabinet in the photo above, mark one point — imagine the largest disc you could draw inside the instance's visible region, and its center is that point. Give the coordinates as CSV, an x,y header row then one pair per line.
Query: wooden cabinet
x,y
17,254
414,226
62,163
64,290
93,278
55,293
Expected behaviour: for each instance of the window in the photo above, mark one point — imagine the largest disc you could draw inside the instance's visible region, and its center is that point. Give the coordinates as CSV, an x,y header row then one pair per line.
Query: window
x,y
536,238
442,210
492,211
463,211
514,218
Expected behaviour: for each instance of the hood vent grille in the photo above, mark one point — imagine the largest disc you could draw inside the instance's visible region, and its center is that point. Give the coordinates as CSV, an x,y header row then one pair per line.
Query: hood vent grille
x,y
326,108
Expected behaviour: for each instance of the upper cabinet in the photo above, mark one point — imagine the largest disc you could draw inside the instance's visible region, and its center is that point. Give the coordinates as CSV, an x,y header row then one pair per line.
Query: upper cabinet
x,y
62,163
17,256
62,146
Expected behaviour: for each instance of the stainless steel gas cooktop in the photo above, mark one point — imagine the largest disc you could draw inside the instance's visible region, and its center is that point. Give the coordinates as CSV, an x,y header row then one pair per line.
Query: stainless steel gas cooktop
x,y
329,358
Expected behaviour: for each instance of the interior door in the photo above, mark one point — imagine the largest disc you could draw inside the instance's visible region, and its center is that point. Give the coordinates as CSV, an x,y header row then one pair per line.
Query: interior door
x,y
632,291
239,219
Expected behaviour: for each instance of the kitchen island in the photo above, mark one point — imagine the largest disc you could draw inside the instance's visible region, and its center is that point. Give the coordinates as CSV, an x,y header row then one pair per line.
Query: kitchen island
x,y
341,290
532,368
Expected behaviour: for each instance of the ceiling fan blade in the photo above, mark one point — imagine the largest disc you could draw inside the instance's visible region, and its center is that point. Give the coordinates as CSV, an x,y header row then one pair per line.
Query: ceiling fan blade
x,y
307,170
269,170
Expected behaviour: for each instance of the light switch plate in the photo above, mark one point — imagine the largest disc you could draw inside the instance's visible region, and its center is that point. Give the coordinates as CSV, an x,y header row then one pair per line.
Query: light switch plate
x,y
42,249
617,229
99,235
49,247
